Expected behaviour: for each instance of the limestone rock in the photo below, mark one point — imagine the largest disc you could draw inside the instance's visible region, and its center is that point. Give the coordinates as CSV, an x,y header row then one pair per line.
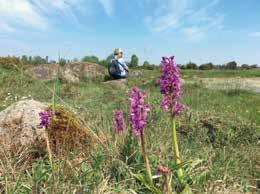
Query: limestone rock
x,y
19,128
43,72
70,72
19,124
70,76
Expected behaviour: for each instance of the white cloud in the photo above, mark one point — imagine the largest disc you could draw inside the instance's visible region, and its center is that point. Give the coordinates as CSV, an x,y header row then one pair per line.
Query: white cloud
x,y
169,16
198,31
186,16
64,8
108,6
254,34
36,14
20,13
193,33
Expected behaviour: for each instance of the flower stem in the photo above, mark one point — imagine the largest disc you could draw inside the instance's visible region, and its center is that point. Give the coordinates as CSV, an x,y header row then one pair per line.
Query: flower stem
x,y
146,161
50,160
168,184
48,147
176,148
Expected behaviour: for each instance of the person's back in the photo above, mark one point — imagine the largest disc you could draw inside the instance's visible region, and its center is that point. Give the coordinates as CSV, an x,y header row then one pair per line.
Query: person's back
x,y
118,68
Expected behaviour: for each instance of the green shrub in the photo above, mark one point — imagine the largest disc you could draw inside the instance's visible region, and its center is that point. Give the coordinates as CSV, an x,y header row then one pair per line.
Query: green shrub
x,y
245,66
62,62
191,65
253,66
91,59
206,66
9,62
231,65
134,61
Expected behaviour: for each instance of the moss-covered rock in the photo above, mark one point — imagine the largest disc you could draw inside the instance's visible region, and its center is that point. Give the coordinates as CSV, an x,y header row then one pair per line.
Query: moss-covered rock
x,y
67,132
19,127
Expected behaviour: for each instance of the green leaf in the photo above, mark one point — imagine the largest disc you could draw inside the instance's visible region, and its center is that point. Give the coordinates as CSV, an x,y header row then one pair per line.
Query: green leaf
x,y
147,185
177,166
186,190
84,167
153,159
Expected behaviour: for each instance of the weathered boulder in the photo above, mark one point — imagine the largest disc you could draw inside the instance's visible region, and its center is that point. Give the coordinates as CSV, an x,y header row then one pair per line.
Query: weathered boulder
x,y
86,70
19,124
70,72
43,72
19,127
70,76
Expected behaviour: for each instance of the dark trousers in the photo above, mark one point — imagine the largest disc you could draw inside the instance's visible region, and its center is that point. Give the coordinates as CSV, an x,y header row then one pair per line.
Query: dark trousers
x,y
118,77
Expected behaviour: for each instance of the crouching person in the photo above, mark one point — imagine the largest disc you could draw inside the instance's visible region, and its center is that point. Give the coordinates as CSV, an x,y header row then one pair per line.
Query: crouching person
x,y
117,68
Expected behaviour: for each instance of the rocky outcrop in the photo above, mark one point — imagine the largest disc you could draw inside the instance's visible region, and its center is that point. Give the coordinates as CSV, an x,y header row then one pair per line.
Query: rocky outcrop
x,y
70,76
70,72
43,72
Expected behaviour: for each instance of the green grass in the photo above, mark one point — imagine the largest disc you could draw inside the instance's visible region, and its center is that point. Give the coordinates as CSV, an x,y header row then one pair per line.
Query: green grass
x,y
228,161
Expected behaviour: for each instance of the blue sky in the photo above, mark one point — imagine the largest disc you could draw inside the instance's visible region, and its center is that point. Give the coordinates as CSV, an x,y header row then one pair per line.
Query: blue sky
x,y
193,30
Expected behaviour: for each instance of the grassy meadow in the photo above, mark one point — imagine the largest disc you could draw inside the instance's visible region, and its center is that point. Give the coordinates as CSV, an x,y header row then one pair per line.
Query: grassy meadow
x,y
218,135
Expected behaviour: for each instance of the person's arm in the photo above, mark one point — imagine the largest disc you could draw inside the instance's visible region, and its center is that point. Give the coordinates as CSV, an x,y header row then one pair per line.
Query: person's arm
x,y
126,67
123,63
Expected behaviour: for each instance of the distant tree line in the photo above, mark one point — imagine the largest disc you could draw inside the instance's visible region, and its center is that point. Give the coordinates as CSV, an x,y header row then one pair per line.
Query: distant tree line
x,y
25,61
208,66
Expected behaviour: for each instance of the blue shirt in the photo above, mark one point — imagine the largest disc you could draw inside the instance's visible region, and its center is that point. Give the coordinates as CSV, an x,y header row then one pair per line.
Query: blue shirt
x,y
123,67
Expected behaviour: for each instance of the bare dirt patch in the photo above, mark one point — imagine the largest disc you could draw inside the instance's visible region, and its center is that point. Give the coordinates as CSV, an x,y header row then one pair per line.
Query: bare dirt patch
x,y
252,84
